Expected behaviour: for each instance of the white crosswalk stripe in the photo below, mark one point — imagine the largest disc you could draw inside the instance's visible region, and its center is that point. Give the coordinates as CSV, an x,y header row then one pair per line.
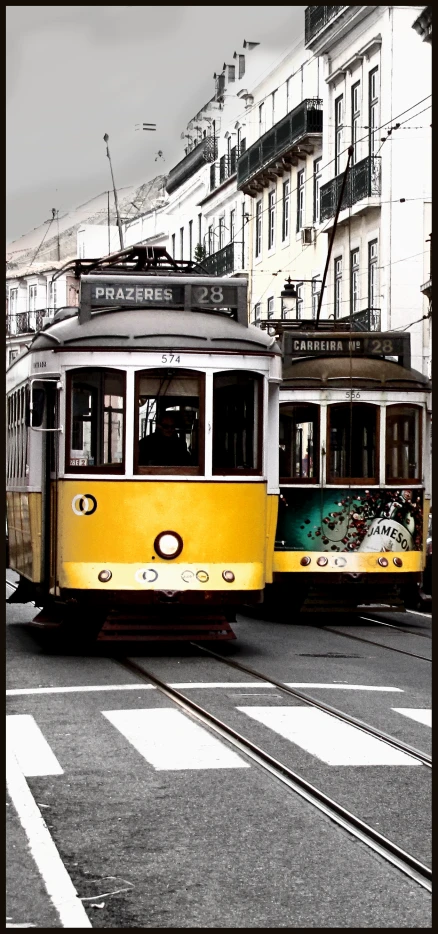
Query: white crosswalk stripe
x,y
31,749
420,715
327,738
169,740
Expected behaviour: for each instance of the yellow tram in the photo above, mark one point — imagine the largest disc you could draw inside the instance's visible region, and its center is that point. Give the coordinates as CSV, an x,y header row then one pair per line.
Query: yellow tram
x,y
354,469
142,464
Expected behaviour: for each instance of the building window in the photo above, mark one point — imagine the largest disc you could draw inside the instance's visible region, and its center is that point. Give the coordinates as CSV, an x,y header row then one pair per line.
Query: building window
x,y
173,245
12,355
271,219
270,308
316,289
13,301
300,300
372,274
257,312
258,230
53,294
338,287
241,66
273,96
355,119
190,239
199,228
339,131
261,118
32,297
232,225
373,107
316,189
181,243
354,281
300,199
221,232
210,239
286,206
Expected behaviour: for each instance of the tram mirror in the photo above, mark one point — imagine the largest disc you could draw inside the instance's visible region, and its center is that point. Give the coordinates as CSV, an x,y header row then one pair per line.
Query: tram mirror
x,y
35,408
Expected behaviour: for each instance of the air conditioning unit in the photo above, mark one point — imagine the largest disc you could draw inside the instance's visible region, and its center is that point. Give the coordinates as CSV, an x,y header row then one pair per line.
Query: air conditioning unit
x,y
307,234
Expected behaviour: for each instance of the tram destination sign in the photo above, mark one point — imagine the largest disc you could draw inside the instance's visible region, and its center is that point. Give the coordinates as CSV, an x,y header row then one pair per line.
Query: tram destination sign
x,y
331,344
124,292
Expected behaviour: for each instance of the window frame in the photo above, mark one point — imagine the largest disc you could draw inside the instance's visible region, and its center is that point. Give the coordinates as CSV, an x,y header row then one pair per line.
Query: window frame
x,y
354,281
355,118
301,181
315,295
373,110
337,279
140,470
232,224
317,175
270,308
114,469
339,131
271,219
258,229
241,471
373,272
409,481
285,218
349,480
300,481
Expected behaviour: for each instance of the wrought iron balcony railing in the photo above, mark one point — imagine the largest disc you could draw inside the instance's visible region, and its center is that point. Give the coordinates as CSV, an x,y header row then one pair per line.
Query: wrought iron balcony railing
x,y
363,181
366,320
317,18
205,151
290,131
28,322
225,167
225,261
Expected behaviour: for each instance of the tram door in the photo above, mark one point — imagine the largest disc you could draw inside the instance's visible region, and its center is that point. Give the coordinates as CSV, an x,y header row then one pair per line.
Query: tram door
x,y
44,418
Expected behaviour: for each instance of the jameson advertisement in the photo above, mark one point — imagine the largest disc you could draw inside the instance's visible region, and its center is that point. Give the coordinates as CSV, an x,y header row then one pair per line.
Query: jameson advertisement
x,y
350,520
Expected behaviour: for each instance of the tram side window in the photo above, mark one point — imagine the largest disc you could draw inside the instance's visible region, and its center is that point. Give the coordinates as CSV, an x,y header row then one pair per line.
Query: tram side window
x,y
17,466
96,417
352,443
299,443
403,443
169,437
237,423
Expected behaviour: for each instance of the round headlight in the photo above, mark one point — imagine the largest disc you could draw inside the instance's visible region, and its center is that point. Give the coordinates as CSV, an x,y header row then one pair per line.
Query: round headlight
x,y
104,576
305,561
228,576
398,562
322,562
383,562
168,544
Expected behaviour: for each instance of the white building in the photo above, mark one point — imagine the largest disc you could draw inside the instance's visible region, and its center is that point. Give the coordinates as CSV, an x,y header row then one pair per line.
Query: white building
x,y
376,97
32,299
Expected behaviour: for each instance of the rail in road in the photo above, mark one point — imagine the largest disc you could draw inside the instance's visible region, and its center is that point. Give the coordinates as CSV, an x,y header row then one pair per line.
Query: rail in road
x,y
402,860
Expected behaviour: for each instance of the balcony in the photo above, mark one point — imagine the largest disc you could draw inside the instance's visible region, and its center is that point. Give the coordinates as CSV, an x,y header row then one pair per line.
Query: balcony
x,y
317,18
28,322
274,153
205,151
226,261
366,320
363,181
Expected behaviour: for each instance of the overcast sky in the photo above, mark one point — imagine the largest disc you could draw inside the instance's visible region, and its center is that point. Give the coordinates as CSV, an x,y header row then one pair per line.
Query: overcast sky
x,y
77,72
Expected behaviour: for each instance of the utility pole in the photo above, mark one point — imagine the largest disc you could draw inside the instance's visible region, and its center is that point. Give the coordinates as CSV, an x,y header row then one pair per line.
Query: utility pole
x,y
119,222
332,236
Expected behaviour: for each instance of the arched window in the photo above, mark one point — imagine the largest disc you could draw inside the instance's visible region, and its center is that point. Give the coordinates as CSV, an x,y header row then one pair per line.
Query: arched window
x,y
352,450
403,444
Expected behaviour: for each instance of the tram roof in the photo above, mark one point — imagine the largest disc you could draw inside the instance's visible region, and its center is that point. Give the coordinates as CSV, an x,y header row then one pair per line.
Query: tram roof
x,y
154,329
366,372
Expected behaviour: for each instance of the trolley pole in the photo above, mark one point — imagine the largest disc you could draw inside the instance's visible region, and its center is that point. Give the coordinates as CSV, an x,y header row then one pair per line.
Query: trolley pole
x,y
116,202
332,236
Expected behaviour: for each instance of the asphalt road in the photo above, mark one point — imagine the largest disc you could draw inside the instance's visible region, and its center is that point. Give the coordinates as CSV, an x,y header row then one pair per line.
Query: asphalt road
x,y
155,823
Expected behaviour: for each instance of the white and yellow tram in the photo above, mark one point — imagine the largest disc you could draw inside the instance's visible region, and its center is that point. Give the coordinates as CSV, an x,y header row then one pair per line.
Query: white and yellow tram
x,y
100,531
354,469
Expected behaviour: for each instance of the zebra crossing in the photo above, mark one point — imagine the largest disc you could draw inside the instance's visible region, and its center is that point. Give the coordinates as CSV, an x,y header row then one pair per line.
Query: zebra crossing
x,y
168,740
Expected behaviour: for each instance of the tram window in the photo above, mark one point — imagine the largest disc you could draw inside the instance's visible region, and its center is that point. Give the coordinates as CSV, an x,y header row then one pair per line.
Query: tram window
x,y
299,443
96,420
352,443
403,443
237,423
168,434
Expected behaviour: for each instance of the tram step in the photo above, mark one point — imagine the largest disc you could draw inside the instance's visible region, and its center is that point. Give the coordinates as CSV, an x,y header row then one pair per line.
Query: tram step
x,y
326,601
126,628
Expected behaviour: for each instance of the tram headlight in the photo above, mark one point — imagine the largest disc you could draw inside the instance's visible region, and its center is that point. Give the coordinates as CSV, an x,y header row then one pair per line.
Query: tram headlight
x,y
104,576
383,562
228,576
398,562
322,562
305,561
168,544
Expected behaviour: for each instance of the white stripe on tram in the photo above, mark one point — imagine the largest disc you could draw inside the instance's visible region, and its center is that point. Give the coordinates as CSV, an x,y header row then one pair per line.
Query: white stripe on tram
x,y
32,751
421,715
327,738
167,739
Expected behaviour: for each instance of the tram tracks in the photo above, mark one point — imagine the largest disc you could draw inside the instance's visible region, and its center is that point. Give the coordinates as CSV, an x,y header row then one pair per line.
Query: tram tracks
x,y
290,779
381,645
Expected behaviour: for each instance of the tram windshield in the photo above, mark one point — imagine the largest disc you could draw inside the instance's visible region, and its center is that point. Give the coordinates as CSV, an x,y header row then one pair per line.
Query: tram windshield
x,y
403,443
168,426
237,422
352,439
96,435
299,442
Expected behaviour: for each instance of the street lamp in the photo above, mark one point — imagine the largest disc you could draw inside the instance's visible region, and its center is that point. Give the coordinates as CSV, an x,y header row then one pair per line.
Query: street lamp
x,y
288,299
